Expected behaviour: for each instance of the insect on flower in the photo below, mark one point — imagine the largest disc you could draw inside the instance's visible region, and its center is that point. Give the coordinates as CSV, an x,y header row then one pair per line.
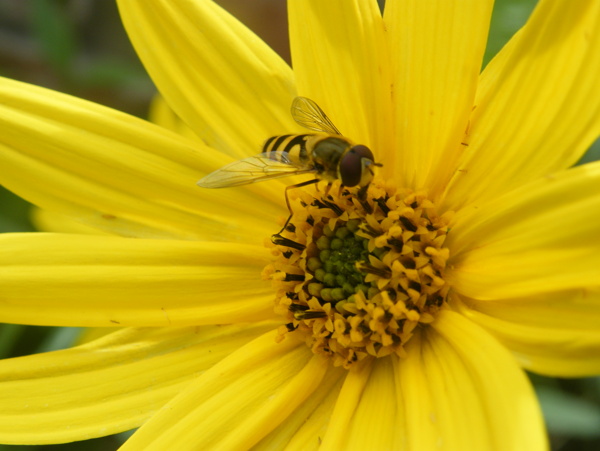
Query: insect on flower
x,y
328,155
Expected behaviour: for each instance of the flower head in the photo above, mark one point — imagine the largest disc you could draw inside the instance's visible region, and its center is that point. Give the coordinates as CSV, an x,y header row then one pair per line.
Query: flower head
x,y
393,314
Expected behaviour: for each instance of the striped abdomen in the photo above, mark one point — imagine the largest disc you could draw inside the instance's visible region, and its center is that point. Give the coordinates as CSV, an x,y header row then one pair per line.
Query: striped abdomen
x,y
288,148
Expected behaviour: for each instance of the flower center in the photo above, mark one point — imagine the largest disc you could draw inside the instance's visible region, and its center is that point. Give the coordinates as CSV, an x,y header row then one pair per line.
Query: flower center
x,y
357,270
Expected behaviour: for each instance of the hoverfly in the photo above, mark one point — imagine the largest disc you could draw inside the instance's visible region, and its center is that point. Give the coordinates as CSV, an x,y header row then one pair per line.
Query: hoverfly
x,y
328,155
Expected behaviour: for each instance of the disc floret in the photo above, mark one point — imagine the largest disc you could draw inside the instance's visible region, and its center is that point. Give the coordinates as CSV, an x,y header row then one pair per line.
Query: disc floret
x,y
356,271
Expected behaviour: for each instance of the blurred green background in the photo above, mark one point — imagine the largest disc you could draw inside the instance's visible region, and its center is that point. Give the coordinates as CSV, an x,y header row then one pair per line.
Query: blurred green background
x,y
79,47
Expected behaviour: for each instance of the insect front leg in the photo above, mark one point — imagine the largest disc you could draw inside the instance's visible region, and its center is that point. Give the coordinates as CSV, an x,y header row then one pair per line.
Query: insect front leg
x,y
277,238
362,198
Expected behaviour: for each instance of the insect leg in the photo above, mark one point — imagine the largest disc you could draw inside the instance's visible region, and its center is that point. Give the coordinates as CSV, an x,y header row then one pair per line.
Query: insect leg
x,y
362,198
277,238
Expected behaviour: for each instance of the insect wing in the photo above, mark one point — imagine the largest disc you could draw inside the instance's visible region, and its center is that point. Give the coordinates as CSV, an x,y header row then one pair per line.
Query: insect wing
x,y
309,115
250,170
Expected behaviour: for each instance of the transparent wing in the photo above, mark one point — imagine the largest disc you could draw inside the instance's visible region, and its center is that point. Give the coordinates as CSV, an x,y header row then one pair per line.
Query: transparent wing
x,y
250,170
309,115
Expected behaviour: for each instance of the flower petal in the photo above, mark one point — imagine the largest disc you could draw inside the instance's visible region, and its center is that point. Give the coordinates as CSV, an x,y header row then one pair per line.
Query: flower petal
x,y
437,48
110,385
353,425
161,114
218,76
119,173
51,221
554,334
538,104
340,59
87,280
540,238
238,401
306,426
460,388
347,402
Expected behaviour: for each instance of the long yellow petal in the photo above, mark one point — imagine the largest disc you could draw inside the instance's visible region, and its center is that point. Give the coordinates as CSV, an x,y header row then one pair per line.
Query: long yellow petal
x,y
345,407
51,221
556,334
110,385
161,114
537,108
418,410
380,431
87,280
305,427
218,76
279,407
238,401
436,50
463,390
540,238
120,173
340,59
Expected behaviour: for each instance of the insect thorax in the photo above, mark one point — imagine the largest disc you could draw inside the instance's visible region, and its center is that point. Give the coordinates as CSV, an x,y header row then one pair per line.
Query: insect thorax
x,y
326,155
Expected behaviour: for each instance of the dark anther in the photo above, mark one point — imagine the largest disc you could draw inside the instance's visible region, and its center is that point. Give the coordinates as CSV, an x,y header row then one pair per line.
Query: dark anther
x,y
297,308
364,328
294,277
310,220
282,241
414,205
366,206
334,207
407,224
290,327
310,314
396,243
291,295
387,317
436,300
318,203
384,208
288,254
290,227
414,285
399,289
381,272
370,230
409,264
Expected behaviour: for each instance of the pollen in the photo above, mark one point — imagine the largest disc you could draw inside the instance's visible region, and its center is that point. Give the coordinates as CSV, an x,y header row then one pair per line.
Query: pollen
x,y
356,271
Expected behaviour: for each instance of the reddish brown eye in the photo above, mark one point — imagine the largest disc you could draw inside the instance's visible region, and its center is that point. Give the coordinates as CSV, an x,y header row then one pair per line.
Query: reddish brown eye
x,y
351,165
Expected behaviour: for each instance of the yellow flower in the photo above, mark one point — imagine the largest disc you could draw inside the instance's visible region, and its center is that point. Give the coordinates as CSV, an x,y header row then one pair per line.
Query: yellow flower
x,y
482,247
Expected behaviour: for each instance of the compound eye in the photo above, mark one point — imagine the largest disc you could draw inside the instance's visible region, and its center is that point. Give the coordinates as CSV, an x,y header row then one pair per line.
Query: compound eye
x,y
353,163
